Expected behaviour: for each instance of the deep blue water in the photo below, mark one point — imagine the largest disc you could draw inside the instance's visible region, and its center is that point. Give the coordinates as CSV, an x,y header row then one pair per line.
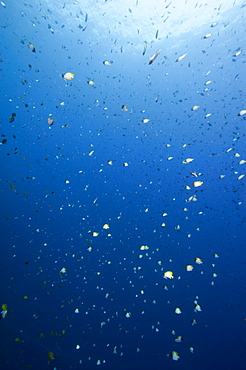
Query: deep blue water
x,y
58,185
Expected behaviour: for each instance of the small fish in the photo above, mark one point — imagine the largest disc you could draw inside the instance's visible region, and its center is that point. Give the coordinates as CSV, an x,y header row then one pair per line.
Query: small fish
x,y
157,33
194,174
31,47
145,47
207,35
188,160
181,57
51,29
196,184
178,339
239,52
175,356
189,268
153,58
124,108
178,311
91,83
198,261
50,121
242,112
240,177
107,62
168,275
68,76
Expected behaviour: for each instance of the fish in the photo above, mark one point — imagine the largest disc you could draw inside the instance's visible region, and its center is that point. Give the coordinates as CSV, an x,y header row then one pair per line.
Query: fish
x,y
153,58
107,62
68,76
31,47
145,47
181,57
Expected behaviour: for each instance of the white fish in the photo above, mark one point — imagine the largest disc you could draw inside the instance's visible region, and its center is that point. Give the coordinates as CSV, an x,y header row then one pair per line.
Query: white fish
x,y
181,57
68,76
31,47
197,184
240,177
239,52
153,58
242,112
175,356
107,62
91,83
145,47
188,160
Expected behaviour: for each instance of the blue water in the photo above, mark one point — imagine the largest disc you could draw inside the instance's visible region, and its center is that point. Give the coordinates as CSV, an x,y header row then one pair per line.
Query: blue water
x,y
98,164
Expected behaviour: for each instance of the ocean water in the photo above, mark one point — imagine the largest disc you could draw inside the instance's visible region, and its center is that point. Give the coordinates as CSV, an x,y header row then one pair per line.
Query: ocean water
x,y
141,173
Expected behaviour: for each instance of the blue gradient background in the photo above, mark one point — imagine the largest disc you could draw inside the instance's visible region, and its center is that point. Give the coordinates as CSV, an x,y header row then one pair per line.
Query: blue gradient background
x,y
62,194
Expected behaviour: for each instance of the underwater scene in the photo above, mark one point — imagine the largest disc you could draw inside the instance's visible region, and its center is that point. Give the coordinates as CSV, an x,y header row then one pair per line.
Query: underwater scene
x,y
123,162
